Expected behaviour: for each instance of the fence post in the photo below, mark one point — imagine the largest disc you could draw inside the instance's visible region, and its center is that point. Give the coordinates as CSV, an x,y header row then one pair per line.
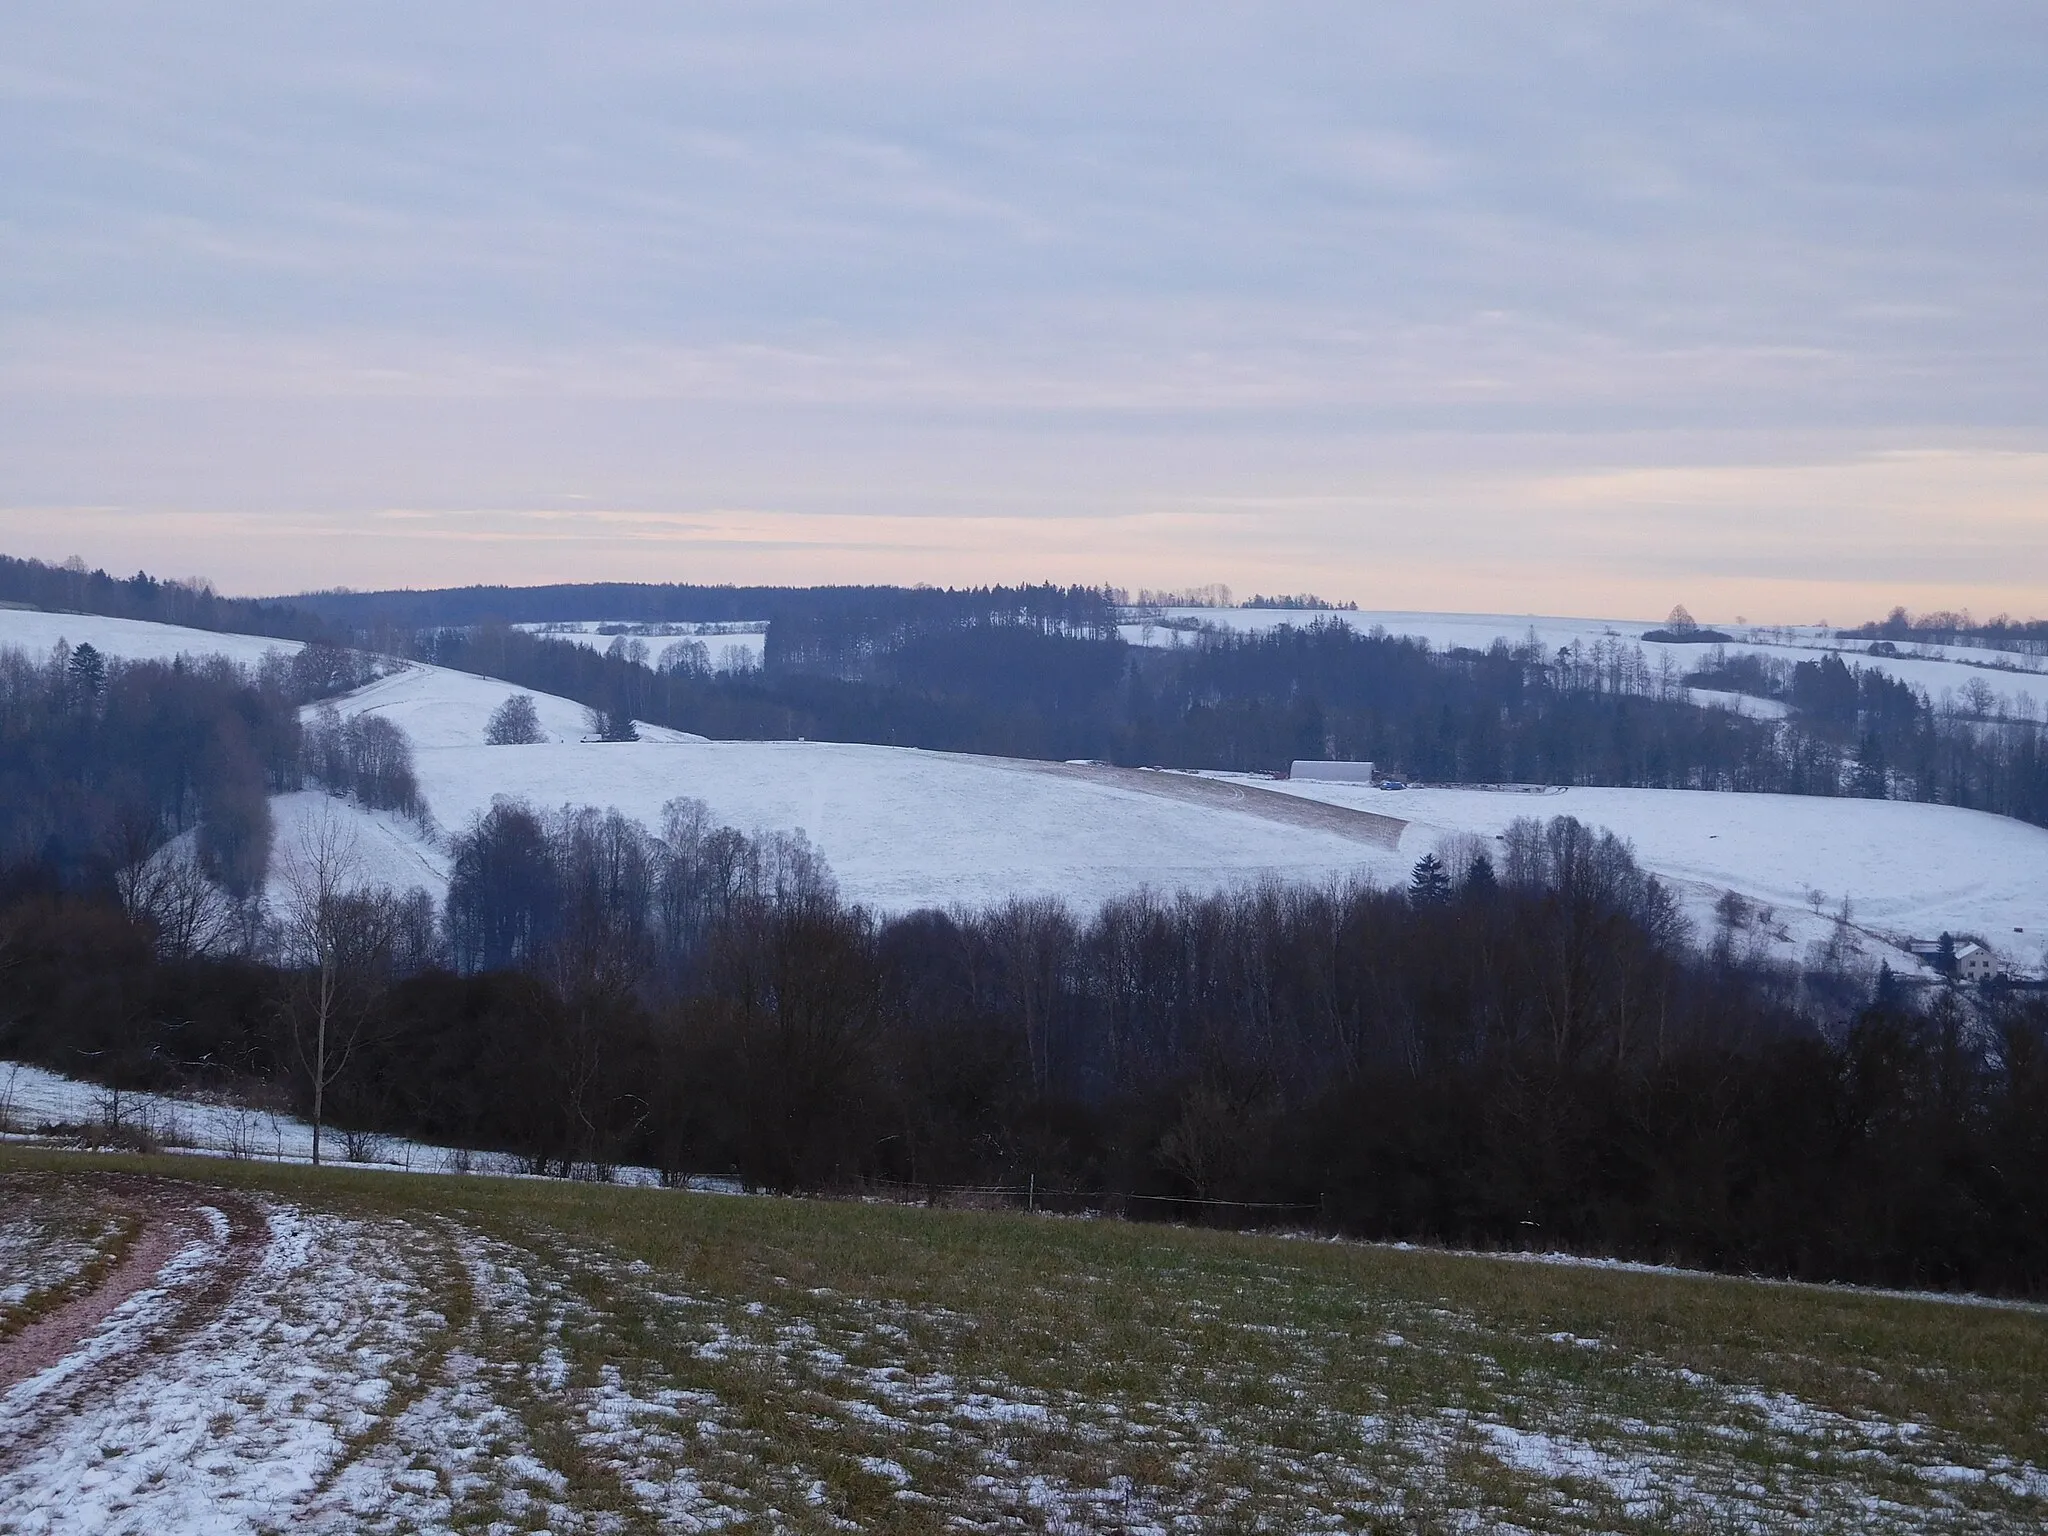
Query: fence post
x,y
1032,1205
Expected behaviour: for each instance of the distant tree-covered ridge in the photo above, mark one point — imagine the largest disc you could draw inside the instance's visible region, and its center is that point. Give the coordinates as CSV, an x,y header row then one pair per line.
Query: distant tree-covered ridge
x,y
828,607
71,588
2001,632
1041,672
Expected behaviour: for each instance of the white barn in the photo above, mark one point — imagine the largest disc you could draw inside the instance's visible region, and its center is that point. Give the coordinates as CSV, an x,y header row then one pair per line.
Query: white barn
x,y
1335,773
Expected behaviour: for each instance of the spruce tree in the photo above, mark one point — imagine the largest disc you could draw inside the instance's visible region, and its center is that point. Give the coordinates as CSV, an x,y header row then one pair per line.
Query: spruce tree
x,y
1428,884
88,673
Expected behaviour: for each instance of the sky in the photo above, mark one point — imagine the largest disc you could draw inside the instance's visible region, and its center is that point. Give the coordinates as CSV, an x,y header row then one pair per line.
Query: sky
x,y
1585,308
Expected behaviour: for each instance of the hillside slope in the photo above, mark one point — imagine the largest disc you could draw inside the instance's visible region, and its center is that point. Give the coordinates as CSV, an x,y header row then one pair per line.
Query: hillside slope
x,y
1908,870
2020,680
904,828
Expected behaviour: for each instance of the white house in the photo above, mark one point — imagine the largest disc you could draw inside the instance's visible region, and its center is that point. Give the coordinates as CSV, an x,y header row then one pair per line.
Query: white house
x,y
1975,963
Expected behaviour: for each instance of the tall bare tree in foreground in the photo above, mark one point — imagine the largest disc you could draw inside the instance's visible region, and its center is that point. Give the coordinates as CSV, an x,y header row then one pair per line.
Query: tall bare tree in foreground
x,y
336,938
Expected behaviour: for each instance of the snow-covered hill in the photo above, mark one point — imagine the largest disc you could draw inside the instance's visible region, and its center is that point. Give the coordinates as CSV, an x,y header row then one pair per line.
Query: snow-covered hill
x,y
1937,669
1908,871
24,629
437,707
904,828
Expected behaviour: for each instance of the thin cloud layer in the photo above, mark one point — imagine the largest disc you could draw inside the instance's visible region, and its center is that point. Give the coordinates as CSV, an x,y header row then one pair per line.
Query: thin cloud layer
x,y
998,288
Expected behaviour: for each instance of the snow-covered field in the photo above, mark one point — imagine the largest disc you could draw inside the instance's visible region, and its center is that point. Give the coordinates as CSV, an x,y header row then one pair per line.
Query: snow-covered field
x,y
1908,871
33,1098
29,630
437,707
386,848
733,647
2019,679
904,829
306,1362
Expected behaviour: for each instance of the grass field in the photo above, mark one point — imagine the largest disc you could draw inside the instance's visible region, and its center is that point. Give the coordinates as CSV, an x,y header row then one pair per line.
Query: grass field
x,y
417,1353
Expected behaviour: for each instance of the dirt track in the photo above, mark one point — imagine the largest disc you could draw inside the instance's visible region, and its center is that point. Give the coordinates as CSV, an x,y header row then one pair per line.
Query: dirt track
x,y
1217,794
171,1220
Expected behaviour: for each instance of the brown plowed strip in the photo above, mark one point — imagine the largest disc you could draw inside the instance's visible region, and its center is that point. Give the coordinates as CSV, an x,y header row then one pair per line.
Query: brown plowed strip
x,y
53,1336
1218,794
171,1219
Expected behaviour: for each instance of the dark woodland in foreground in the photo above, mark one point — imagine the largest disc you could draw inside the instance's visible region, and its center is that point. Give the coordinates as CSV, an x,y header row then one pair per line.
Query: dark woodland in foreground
x,y
1540,1064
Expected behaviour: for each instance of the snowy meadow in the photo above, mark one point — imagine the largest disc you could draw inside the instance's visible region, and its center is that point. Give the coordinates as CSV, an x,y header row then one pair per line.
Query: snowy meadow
x,y
350,1351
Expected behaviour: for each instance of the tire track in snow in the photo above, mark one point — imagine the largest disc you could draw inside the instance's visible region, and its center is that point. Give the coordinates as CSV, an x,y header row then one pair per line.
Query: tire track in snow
x,y
174,1228
1217,795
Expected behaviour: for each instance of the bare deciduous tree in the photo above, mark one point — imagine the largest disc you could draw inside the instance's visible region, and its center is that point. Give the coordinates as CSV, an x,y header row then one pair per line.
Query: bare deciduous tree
x,y
170,891
335,937
514,723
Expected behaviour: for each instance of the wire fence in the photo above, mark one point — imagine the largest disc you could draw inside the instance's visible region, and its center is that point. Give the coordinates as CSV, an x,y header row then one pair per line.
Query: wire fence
x,y
1033,1196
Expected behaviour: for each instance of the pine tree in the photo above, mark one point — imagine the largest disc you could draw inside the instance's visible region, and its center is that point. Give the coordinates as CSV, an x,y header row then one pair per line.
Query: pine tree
x,y
611,723
1945,956
1479,879
1428,884
88,673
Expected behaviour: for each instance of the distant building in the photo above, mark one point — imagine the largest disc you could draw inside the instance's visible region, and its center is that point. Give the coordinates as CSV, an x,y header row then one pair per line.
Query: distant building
x,y
1973,961
1335,773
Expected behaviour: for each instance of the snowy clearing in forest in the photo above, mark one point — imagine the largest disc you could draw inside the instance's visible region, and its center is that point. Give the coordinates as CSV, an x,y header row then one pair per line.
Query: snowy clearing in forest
x,y
904,829
530,1357
437,707
728,647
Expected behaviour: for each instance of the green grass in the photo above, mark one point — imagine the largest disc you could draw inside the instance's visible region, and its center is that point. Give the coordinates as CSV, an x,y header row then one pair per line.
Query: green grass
x,y
73,1249
1027,1371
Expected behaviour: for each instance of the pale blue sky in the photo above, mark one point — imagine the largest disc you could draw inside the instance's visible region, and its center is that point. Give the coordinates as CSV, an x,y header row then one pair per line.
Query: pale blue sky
x,y
1593,307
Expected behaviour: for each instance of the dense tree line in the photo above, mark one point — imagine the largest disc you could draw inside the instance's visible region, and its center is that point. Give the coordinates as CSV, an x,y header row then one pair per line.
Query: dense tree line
x,y
72,588
104,763
2001,632
1524,1048
101,763
831,611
